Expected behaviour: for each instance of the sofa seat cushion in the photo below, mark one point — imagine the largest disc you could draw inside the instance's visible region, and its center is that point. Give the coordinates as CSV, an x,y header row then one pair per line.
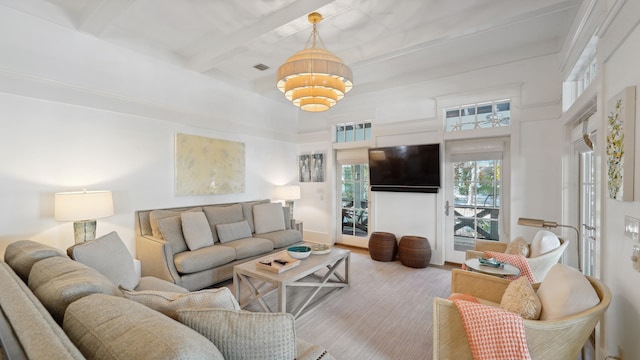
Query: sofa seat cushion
x,y
222,215
58,282
169,303
22,254
282,238
243,334
107,327
110,256
188,262
248,247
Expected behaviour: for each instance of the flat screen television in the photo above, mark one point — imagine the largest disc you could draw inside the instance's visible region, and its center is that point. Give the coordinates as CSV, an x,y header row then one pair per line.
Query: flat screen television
x,y
407,168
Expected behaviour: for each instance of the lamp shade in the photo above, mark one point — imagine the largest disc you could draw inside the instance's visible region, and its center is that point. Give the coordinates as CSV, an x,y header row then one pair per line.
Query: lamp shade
x,y
537,223
287,192
83,205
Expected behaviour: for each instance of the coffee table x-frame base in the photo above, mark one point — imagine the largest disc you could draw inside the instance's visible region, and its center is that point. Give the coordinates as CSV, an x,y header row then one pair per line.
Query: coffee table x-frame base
x,y
255,280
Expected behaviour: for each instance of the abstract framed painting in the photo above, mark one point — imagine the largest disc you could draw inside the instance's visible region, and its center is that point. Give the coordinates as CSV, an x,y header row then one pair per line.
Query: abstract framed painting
x,y
620,144
206,166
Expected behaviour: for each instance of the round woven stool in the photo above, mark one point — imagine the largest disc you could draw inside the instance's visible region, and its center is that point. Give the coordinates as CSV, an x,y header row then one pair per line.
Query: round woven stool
x,y
414,251
383,246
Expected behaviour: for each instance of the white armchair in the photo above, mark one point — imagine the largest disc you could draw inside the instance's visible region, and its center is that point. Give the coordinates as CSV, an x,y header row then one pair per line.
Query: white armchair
x,y
539,265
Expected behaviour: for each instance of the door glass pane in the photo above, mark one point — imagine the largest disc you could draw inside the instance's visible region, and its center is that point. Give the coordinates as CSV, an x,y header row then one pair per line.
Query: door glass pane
x,y
355,200
476,202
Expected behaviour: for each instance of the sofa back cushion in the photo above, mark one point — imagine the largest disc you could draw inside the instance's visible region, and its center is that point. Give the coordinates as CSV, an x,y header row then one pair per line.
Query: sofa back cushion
x,y
59,281
22,254
108,327
268,218
233,231
110,256
222,215
196,230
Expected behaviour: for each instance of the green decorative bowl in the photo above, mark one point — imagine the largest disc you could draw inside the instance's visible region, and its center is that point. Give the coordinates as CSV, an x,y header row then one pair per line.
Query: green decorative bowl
x,y
299,252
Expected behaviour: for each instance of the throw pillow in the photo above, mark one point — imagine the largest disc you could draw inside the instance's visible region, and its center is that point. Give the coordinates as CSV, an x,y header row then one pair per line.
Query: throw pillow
x,y
110,256
466,297
564,292
196,230
171,229
156,215
107,327
543,242
518,261
518,246
268,218
233,231
520,298
243,335
169,302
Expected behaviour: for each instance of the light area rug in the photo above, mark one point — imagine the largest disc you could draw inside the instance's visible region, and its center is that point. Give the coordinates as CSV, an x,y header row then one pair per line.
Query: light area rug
x,y
386,313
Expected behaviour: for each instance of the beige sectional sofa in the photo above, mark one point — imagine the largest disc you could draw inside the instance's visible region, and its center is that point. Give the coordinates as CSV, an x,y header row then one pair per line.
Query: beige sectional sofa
x,y
54,307
196,247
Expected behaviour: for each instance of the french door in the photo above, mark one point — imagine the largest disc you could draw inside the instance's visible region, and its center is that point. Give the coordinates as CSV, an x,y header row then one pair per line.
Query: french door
x,y
474,195
354,205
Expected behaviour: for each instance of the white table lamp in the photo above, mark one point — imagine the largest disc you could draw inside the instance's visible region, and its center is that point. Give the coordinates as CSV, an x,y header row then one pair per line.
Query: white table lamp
x,y
83,208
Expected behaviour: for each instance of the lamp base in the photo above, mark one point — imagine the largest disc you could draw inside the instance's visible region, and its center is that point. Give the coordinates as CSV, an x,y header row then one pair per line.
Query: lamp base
x,y
84,230
289,204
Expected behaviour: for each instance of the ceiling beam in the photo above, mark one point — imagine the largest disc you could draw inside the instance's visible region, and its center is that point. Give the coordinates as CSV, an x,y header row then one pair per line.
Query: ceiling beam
x,y
219,48
97,15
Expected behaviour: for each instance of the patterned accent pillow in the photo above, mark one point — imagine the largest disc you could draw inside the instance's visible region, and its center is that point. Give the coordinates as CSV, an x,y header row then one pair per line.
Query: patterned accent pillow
x,y
518,261
520,298
169,303
243,335
518,246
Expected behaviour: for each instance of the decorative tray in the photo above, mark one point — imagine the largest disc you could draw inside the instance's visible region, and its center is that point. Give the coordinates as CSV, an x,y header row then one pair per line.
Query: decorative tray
x,y
490,262
319,249
277,263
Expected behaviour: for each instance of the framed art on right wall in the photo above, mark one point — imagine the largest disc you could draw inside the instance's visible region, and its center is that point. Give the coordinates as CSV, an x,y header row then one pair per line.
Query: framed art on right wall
x,y
620,145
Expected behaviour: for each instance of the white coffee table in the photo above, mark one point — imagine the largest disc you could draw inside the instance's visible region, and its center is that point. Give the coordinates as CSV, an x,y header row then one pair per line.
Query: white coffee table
x,y
254,279
507,270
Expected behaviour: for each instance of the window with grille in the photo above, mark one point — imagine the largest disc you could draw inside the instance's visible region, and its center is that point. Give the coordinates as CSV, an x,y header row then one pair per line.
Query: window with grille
x,y
478,116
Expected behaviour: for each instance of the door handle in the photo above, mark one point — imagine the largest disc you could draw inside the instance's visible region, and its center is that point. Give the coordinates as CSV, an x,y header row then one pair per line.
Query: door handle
x,y
446,208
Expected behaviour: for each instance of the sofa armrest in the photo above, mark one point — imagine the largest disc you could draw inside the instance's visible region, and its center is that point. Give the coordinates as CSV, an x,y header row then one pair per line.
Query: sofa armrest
x,y
156,258
449,337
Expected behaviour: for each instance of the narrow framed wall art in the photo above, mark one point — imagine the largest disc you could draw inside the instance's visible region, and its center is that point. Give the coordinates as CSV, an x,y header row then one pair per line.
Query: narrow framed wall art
x,y
620,144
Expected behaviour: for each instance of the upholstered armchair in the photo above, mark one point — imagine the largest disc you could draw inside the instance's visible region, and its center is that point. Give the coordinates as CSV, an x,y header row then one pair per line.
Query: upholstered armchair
x,y
561,338
539,265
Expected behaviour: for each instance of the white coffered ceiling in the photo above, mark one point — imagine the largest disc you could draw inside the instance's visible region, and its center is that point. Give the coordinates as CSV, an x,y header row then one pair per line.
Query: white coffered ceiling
x,y
383,41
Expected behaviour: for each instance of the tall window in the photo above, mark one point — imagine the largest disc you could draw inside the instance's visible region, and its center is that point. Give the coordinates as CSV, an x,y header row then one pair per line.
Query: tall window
x,y
355,200
478,116
476,201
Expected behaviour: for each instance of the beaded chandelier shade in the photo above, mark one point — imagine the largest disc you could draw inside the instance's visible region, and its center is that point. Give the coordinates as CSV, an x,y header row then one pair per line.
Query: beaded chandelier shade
x,y
314,79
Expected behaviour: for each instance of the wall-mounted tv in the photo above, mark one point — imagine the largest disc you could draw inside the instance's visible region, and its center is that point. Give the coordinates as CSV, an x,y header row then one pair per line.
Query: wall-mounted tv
x,y
410,168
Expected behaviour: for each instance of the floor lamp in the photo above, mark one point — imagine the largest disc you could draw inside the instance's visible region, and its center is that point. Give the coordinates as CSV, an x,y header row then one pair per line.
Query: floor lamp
x,y
552,224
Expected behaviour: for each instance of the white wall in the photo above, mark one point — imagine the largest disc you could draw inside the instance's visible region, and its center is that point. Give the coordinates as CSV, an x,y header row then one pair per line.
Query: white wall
x,y
81,113
622,320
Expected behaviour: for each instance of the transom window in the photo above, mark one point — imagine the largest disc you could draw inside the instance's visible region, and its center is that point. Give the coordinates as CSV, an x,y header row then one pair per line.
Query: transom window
x,y
478,116
349,132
